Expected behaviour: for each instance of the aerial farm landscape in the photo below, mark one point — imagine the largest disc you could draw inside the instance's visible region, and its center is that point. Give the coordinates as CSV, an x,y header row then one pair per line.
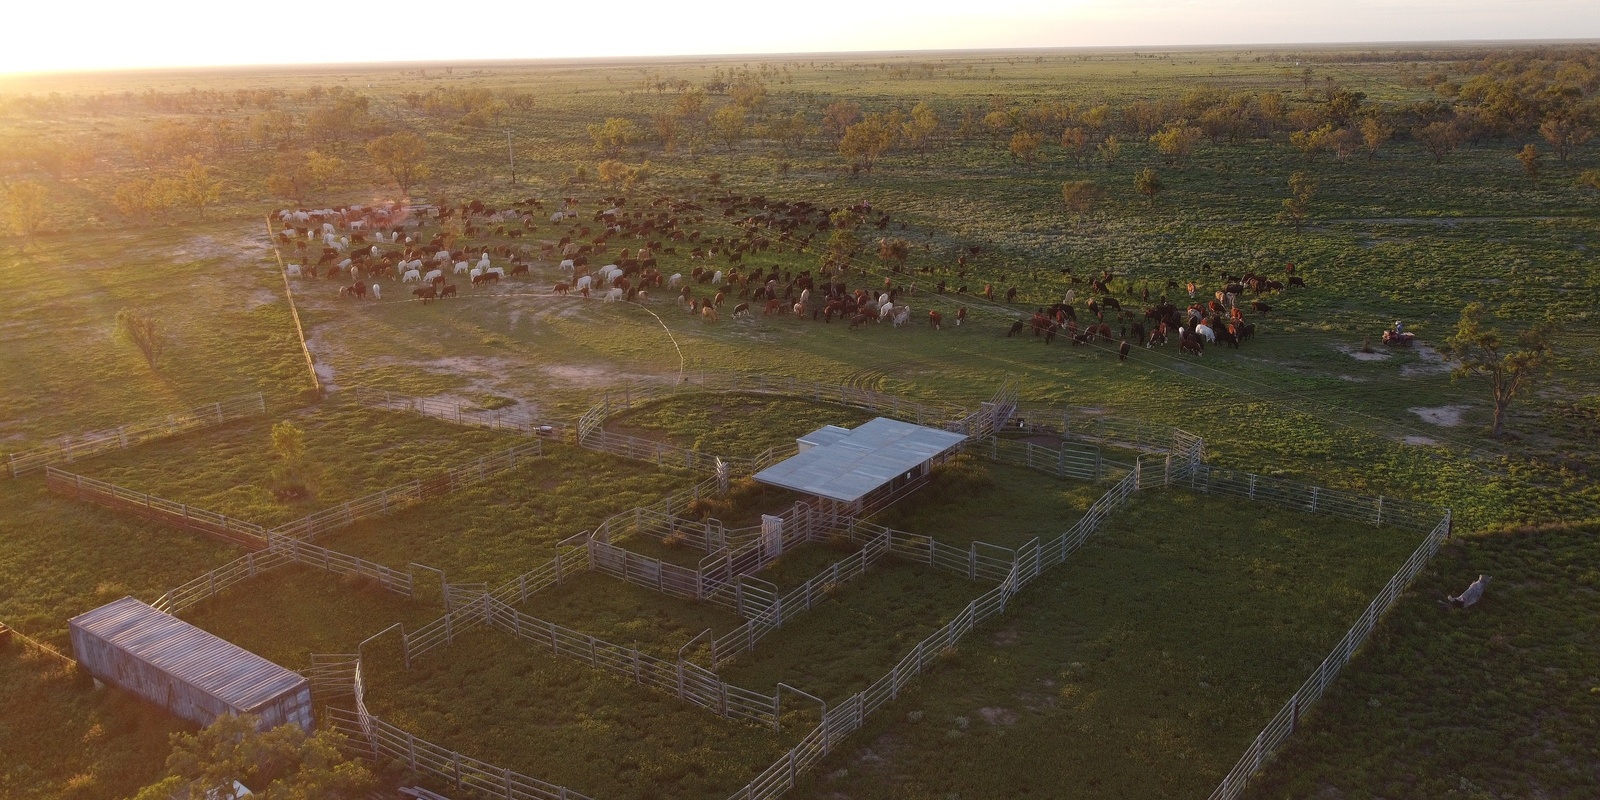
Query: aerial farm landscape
x,y
1102,422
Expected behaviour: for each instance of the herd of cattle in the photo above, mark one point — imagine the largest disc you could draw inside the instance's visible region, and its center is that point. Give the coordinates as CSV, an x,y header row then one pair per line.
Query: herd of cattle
x,y
393,242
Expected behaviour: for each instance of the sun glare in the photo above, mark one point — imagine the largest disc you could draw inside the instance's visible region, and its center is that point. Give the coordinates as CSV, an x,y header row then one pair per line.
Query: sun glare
x,y
100,35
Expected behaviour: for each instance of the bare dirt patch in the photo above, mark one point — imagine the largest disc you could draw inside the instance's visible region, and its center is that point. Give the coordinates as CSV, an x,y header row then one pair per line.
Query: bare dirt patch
x,y
1000,717
1355,353
1443,416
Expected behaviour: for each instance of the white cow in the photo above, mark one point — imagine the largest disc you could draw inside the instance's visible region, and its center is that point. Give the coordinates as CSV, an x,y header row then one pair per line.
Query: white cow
x,y
461,266
902,316
473,275
377,292
676,279
327,228
411,275
585,282
557,217
499,272
345,264
442,256
294,270
614,295
567,265
373,250
716,280
885,310
432,273
1205,330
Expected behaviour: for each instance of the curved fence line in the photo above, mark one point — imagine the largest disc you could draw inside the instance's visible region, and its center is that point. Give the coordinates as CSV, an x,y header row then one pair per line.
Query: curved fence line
x,y
71,448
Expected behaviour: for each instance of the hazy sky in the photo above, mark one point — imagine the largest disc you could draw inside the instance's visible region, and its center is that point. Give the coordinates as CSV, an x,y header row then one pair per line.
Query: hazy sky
x,y
98,34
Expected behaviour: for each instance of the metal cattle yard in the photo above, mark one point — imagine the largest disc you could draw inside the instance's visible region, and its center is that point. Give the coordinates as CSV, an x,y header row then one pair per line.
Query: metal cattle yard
x,y
728,576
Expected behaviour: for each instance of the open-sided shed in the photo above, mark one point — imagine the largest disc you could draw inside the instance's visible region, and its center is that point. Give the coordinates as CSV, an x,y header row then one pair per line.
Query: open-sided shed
x,y
866,467
187,671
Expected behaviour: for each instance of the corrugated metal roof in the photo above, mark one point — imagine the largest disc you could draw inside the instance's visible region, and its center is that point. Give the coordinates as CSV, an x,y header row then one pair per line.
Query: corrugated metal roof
x,y
845,464
213,665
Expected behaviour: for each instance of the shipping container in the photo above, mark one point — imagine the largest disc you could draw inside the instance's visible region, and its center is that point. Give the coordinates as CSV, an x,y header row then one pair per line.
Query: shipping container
x,y
189,672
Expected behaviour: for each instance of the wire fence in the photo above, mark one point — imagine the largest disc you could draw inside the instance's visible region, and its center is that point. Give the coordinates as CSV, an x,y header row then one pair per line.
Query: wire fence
x,y
178,515
1070,460
281,551
71,448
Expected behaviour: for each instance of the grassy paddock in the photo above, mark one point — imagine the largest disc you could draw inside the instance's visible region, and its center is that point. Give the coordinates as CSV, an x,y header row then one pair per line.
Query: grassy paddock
x,y
352,451
495,531
1140,668
499,700
1523,683
628,615
973,500
857,633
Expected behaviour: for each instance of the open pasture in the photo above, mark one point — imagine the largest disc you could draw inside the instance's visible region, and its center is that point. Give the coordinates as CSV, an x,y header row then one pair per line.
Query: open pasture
x,y
971,500
1139,668
733,424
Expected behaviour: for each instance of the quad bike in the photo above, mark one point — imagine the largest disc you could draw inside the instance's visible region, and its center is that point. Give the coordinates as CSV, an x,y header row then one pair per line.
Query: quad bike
x,y
1393,339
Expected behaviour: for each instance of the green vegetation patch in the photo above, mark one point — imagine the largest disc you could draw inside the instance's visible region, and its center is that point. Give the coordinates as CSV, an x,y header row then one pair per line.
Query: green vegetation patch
x,y
741,425
1141,667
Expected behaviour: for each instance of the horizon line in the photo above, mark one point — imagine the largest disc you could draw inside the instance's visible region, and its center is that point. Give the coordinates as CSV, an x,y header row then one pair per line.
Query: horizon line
x,y
668,57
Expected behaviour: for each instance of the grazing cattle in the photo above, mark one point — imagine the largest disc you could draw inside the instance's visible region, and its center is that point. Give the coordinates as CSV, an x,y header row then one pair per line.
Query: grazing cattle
x,y
1011,295
1296,280
460,267
433,274
613,295
1257,305
560,288
675,280
1192,346
520,269
936,320
497,272
411,275
901,317
426,294
708,314
1016,328
859,319
1122,351
742,308
584,284
566,265
377,292
961,315
774,306
486,278
449,290
353,290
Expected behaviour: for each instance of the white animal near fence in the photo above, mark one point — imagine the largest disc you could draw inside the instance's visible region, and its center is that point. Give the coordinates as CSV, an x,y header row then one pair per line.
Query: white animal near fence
x,y
585,283
377,292
567,265
294,270
411,275
432,273
614,295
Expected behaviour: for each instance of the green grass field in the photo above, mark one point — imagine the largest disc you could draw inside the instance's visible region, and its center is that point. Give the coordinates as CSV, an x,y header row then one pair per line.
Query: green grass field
x,y
1094,679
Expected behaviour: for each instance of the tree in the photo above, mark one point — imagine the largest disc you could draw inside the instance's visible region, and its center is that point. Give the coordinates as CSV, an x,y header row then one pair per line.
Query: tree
x,y
1311,142
998,123
144,332
921,129
1374,135
1441,139
894,252
611,172
838,117
1148,183
1024,146
867,140
1509,369
1076,142
843,244
1298,205
729,122
323,170
1081,197
612,135
199,188
1563,135
25,207
400,156
1176,141
1109,149
1529,156
284,763
666,126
